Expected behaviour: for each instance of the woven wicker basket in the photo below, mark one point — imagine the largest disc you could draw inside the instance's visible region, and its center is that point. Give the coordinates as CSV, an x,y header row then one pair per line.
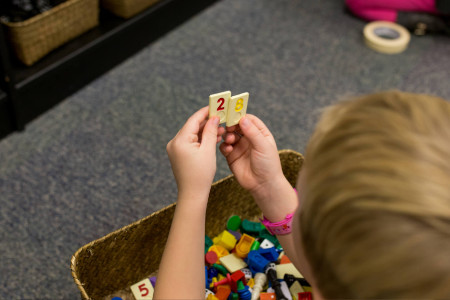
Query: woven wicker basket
x,y
34,38
128,255
127,8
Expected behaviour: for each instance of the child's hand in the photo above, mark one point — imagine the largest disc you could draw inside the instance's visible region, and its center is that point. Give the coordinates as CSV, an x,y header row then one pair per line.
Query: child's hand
x,y
252,155
192,153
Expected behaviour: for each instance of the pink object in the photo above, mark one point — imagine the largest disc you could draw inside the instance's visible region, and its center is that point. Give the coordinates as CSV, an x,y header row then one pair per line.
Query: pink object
x,y
279,228
386,10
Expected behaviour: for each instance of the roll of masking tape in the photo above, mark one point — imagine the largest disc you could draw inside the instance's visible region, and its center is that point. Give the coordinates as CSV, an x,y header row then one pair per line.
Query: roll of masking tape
x,y
386,37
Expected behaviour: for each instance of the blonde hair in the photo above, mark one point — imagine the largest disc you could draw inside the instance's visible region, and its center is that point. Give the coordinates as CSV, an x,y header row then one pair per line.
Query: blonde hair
x,y
375,219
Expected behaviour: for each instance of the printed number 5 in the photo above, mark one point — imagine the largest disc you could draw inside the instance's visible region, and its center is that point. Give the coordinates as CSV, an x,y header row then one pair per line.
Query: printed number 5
x,y
221,104
142,288
239,105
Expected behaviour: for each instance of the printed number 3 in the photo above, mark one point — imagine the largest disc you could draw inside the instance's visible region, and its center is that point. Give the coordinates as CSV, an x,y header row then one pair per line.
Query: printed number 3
x,y
142,288
239,105
221,104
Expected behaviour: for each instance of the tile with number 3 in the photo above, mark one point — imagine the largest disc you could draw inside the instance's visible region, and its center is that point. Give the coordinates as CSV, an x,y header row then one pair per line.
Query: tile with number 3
x,y
218,105
237,108
142,290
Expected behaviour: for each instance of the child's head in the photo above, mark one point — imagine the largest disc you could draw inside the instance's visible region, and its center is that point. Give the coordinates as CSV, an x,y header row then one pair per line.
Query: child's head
x,y
375,211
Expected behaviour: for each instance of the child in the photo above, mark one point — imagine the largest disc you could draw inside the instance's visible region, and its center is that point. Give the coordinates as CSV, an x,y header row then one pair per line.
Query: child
x,y
373,217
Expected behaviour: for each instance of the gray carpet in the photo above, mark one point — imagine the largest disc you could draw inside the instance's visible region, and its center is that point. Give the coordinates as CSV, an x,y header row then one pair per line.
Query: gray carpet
x,y
97,161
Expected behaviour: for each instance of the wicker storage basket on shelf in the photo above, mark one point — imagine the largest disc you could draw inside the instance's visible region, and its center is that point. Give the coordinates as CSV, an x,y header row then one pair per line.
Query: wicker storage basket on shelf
x,y
34,38
128,255
127,8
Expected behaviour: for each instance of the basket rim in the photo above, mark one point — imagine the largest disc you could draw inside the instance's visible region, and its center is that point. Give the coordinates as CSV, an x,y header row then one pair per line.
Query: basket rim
x,y
73,261
43,15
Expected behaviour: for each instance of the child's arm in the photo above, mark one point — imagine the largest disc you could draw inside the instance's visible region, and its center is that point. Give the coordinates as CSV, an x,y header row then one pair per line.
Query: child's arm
x,y
192,154
253,158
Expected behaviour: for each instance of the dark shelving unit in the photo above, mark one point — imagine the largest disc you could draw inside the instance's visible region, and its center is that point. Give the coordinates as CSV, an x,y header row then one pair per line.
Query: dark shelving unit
x,y
30,91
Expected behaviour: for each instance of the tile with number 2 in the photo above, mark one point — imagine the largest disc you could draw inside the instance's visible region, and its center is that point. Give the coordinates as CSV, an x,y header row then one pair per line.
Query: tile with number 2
x,y
218,105
229,109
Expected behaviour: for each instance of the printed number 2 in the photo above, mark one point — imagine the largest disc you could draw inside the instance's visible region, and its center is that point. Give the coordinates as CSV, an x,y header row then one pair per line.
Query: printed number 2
x,y
239,105
221,104
142,288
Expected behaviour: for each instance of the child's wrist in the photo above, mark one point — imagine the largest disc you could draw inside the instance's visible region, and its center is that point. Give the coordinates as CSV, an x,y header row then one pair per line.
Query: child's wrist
x,y
190,193
276,200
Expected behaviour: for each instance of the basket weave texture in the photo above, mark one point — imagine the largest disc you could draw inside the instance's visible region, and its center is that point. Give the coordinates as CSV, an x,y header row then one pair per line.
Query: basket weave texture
x,y
34,38
127,8
128,255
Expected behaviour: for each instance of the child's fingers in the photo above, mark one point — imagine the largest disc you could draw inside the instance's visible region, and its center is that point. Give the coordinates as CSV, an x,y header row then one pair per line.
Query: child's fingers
x,y
221,131
225,149
231,138
259,124
193,124
232,128
209,134
254,134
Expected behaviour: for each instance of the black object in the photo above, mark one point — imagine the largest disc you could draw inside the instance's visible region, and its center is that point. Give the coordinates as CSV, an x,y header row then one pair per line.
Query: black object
x,y
33,90
21,10
271,273
290,279
423,23
443,6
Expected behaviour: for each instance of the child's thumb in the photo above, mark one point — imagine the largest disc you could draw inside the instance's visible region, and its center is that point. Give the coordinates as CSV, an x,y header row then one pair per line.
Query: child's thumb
x,y
253,134
209,134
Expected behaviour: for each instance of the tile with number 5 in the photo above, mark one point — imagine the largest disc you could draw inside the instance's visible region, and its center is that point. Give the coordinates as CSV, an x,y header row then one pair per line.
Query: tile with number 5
x,y
142,290
218,105
237,108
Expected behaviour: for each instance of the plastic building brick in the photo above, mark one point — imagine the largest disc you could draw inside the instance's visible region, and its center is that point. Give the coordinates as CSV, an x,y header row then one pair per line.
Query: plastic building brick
x,y
221,269
255,245
244,245
211,297
212,272
226,240
220,250
295,289
256,262
305,296
267,296
207,293
234,222
287,269
251,282
237,235
208,243
211,257
271,254
284,260
238,275
208,279
153,280
232,263
223,291
266,235
266,244
251,228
